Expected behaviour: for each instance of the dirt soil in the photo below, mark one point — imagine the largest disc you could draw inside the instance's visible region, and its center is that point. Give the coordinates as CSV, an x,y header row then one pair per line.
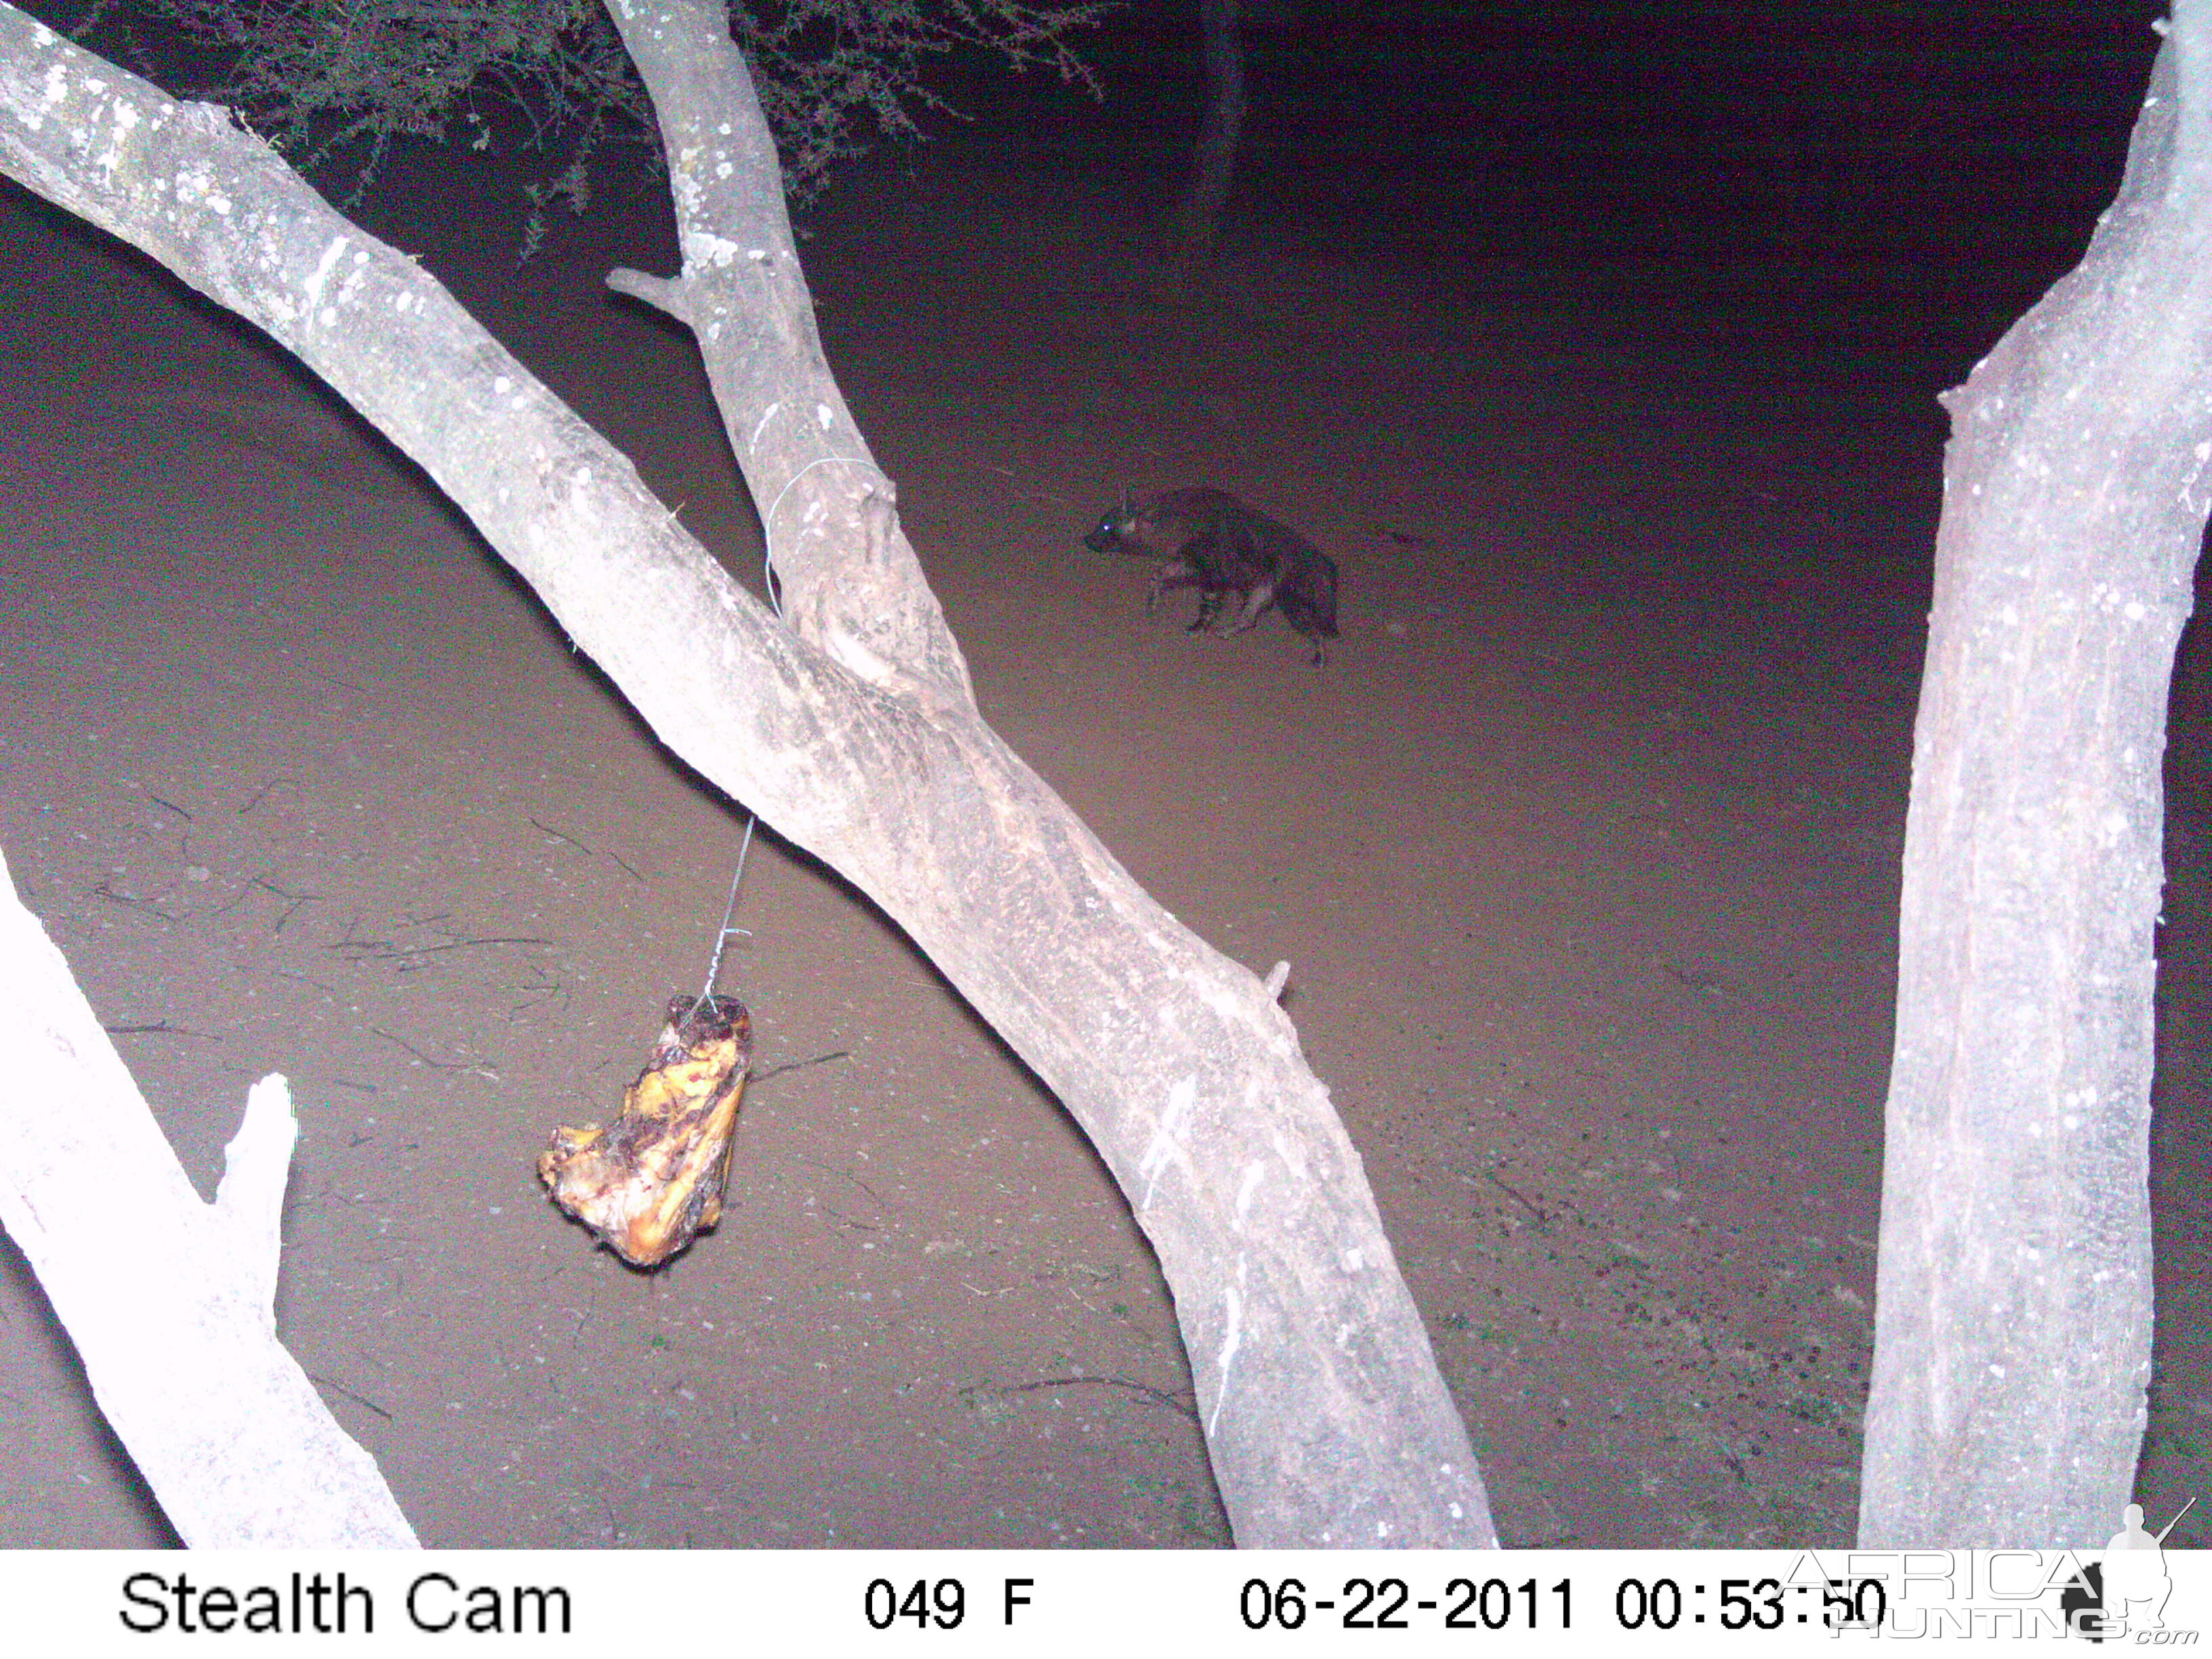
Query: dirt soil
x,y
1583,849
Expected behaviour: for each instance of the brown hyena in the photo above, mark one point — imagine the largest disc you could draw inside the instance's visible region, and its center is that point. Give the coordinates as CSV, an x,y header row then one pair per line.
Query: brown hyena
x,y
1209,540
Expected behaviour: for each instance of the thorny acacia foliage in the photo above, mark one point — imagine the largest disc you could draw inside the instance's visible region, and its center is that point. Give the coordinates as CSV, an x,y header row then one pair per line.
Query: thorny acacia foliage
x,y
317,75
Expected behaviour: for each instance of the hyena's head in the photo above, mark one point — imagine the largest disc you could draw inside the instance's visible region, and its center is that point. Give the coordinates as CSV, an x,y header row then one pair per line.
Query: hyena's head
x,y
1114,528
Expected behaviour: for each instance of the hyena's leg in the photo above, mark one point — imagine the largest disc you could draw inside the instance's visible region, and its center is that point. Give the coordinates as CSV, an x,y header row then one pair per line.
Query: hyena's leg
x,y
1177,574
1255,601
1209,607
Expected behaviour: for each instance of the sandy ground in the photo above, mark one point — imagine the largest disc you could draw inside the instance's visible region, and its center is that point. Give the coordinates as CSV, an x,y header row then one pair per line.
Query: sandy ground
x,y
1583,847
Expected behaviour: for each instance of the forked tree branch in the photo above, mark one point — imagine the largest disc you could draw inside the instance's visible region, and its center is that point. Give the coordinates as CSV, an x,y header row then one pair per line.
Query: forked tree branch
x,y
168,1300
853,733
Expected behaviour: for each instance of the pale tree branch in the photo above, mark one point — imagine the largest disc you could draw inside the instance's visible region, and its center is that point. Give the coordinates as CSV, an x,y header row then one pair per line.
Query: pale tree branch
x,y
861,597
2013,1325
168,1300
852,732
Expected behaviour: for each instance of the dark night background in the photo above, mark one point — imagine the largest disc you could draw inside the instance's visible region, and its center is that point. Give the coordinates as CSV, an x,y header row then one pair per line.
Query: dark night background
x,y
1599,344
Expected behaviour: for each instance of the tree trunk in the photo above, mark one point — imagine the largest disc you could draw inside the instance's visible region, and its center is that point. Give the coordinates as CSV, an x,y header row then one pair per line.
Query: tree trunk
x,y
850,726
2014,1324
168,1300
1197,227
